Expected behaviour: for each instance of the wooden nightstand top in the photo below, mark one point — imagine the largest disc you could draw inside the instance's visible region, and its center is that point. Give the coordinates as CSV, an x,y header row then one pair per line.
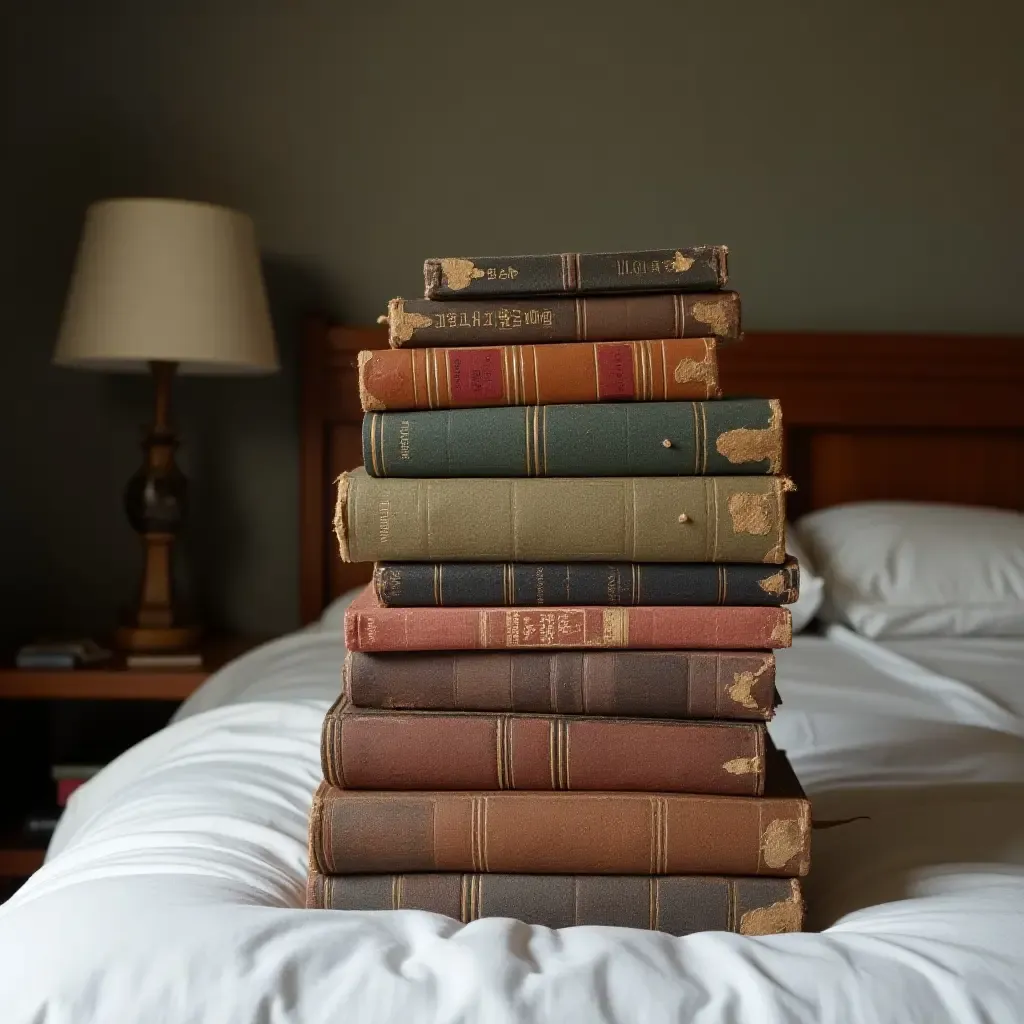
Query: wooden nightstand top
x,y
113,680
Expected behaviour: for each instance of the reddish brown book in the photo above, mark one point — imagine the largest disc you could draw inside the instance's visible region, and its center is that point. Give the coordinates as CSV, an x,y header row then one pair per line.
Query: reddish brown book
x,y
364,748
357,832
449,378
369,626
677,904
641,684
423,323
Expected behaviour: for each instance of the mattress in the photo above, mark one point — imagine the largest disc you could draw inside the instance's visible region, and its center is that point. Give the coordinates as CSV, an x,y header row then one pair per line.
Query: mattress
x,y
173,886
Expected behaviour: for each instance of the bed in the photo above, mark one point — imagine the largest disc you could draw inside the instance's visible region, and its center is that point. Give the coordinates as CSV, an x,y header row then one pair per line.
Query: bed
x,y
173,886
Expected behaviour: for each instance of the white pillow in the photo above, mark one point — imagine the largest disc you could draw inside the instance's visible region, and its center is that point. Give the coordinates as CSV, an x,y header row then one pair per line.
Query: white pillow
x,y
906,569
812,586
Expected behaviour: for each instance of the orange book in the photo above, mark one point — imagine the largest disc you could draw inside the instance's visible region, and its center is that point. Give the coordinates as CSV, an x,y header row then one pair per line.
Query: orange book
x,y
672,369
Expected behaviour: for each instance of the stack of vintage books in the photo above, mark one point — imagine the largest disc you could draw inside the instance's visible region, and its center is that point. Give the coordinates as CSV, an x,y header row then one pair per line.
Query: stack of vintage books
x,y
558,682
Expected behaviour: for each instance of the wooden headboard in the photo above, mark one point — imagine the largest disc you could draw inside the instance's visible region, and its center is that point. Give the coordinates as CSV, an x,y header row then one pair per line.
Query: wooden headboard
x,y
866,416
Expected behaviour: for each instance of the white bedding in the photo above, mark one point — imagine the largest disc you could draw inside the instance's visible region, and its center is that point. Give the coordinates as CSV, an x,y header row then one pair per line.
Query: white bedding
x,y
172,888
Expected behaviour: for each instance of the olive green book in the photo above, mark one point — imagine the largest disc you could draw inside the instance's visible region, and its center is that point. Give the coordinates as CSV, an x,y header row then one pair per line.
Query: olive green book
x,y
562,519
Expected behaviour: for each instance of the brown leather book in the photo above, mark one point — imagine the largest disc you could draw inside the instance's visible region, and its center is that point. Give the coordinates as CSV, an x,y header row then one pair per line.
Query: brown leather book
x,y
358,832
424,323
366,748
369,626
676,904
736,685
575,373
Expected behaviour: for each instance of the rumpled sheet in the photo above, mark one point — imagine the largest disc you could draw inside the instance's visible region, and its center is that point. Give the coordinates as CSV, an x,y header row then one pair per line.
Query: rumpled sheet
x,y
173,887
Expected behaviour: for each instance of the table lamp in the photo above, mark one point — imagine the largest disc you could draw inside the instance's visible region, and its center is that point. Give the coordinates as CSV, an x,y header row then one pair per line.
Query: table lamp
x,y
168,286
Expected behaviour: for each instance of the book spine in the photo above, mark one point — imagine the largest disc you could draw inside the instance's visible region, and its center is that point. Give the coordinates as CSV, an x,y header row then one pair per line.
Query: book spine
x,y
468,584
356,832
665,369
694,268
639,628
736,685
434,750
423,323
676,904
743,436
562,519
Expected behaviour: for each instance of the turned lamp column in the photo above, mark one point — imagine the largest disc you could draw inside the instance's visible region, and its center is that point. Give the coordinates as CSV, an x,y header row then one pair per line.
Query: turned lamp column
x,y
165,286
155,503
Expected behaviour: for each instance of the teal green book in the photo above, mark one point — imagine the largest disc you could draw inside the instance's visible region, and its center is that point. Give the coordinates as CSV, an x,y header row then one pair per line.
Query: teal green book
x,y
729,437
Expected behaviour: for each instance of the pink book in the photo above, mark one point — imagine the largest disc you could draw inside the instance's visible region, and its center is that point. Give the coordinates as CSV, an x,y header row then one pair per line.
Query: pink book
x,y
369,626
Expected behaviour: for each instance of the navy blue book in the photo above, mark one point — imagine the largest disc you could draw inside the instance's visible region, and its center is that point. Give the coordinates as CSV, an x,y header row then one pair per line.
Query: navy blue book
x,y
468,584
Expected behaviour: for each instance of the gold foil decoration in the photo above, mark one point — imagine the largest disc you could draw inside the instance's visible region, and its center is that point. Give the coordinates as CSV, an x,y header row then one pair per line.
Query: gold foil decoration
x,y
459,272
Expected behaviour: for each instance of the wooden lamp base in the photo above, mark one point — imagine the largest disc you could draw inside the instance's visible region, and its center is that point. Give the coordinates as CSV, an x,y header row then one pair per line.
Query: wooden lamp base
x,y
155,503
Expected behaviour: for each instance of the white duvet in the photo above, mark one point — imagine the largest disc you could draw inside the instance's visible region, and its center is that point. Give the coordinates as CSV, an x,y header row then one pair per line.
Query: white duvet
x,y
173,886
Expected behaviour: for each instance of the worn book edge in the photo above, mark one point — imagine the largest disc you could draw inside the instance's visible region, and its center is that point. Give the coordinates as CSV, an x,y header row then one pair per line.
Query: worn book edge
x,y
778,918
340,514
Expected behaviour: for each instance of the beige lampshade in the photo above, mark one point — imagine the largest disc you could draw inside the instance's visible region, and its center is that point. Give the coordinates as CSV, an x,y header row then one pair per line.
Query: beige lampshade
x,y
166,279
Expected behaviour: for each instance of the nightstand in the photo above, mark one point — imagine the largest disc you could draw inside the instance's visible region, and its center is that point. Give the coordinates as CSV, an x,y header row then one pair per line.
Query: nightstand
x,y
35,693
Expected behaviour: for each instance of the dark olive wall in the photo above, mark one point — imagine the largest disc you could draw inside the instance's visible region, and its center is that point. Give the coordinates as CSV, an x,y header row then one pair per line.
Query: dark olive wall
x,y
863,161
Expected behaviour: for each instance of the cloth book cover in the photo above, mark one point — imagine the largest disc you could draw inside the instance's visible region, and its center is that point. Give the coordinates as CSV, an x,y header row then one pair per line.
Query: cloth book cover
x,y
426,323
369,626
356,831
676,904
729,685
690,268
462,584
562,519
611,371
726,437
364,748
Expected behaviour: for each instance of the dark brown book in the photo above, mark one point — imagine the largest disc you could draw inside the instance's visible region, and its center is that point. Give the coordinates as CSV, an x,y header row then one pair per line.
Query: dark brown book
x,y
643,684
677,904
426,323
364,748
689,268
358,832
